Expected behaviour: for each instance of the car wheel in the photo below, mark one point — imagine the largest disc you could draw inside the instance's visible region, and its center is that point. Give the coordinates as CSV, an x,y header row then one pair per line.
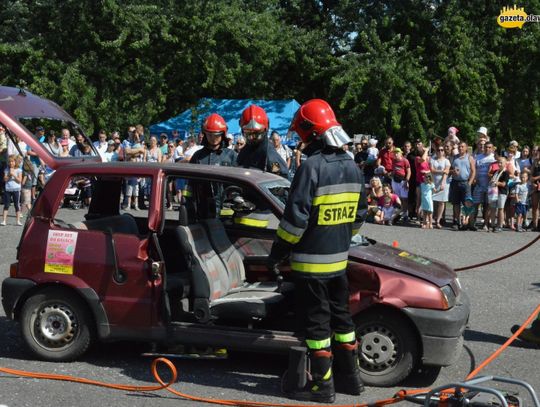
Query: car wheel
x,y
388,347
56,325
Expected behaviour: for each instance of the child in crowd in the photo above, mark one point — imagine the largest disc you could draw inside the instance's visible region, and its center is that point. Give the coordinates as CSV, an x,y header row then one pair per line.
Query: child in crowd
x,y
426,206
467,209
497,193
388,205
522,193
373,152
12,188
26,189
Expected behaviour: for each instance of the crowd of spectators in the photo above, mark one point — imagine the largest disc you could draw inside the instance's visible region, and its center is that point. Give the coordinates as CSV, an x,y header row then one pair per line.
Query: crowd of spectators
x,y
413,184
136,146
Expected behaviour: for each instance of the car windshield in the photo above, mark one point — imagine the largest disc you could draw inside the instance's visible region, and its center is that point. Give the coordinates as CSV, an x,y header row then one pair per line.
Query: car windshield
x,y
278,190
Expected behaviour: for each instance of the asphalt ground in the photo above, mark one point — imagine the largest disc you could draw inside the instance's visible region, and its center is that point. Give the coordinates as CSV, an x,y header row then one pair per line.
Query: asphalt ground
x,y
501,295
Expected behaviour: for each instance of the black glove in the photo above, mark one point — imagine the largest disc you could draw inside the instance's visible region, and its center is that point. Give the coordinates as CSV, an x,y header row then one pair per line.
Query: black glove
x,y
278,254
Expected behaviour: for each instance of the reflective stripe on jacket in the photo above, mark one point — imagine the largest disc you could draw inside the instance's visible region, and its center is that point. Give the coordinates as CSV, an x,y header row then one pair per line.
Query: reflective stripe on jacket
x,y
326,203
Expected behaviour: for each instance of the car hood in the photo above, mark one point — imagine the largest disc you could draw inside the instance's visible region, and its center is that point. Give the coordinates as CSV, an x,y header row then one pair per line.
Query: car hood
x,y
385,256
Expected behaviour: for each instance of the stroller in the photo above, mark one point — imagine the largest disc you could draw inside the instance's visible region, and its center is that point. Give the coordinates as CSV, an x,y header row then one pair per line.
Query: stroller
x,y
73,196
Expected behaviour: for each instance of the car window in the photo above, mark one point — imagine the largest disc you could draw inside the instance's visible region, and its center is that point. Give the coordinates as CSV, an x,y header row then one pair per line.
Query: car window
x,y
105,203
278,190
227,201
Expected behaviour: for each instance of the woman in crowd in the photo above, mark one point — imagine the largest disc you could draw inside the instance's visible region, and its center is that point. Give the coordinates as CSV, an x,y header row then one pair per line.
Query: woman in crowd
x,y
51,144
422,166
375,192
12,189
440,167
525,160
512,168
153,154
169,157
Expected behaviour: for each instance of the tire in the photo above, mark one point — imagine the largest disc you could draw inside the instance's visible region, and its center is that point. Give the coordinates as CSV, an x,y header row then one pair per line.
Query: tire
x,y
56,325
388,347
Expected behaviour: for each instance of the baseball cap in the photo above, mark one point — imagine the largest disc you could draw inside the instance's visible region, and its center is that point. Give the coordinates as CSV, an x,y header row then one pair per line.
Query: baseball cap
x,y
64,142
513,143
39,128
482,130
110,142
398,150
163,135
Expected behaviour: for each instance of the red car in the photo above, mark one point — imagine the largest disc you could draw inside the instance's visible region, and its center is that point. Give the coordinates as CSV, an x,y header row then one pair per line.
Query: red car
x,y
196,276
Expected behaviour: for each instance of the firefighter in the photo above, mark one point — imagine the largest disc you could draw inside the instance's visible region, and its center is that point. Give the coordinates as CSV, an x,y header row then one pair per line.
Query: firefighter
x,y
325,208
257,152
214,151
214,142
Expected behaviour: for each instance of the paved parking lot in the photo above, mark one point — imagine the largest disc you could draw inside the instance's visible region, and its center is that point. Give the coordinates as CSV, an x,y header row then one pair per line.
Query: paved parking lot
x,y
501,294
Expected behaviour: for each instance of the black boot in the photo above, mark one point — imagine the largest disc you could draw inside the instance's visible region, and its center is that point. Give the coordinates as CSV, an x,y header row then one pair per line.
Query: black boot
x,y
320,383
346,370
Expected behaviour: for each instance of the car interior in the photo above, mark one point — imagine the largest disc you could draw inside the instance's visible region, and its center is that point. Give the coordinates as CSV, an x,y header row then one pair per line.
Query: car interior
x,y
214,267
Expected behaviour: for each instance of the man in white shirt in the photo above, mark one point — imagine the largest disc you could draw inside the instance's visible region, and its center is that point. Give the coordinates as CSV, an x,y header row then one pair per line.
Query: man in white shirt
x,y
283,151
101,144
480,191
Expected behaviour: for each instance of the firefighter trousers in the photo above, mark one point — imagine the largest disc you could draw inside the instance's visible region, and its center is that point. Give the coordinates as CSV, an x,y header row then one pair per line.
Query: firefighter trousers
x,y
322,306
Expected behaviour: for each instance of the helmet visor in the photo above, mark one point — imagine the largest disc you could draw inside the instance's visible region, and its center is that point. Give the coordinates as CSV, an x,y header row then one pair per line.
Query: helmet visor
x,y
253,134
336,137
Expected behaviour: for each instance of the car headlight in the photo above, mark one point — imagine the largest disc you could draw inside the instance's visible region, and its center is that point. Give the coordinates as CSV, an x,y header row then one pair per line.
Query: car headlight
x,y
449,296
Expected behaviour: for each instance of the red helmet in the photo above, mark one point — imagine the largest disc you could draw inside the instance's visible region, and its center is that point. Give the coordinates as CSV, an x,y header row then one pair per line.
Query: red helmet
x,y
214,124
254,119
316,119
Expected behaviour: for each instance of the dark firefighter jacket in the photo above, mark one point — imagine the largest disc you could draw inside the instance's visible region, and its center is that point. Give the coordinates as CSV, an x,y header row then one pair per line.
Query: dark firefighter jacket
x,y
223,156
264,157
326,207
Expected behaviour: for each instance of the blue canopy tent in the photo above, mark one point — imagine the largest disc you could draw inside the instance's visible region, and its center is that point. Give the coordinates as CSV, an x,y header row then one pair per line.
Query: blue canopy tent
x,y
280,114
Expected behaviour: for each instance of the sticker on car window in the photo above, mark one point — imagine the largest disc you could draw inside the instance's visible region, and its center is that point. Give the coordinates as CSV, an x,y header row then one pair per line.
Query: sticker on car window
x,y
60,252
416,258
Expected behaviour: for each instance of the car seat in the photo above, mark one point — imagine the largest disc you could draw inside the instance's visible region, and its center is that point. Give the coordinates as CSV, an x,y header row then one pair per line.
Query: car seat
x,y
234,261
216,291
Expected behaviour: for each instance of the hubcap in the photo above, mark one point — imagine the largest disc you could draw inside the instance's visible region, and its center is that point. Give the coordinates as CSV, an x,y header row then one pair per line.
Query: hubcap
x,y
379,349
55,326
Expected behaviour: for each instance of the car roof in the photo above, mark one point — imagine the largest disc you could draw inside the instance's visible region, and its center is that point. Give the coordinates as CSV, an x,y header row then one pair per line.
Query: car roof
x,y
251,175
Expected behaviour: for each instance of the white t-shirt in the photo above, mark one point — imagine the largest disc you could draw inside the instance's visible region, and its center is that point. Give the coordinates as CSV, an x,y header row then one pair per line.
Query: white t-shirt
x,y
101,148
178,153
483,162
109,156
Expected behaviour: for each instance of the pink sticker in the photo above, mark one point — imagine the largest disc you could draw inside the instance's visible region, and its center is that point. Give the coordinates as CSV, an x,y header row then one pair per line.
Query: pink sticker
x,y
60,252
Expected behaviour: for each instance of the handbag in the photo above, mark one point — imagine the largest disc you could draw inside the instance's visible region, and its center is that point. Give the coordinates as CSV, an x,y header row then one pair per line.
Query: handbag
x,y
493,193
493,189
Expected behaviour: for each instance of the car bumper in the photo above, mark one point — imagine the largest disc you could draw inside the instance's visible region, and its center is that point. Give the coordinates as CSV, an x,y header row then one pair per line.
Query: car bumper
x,y
12,290
441,332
